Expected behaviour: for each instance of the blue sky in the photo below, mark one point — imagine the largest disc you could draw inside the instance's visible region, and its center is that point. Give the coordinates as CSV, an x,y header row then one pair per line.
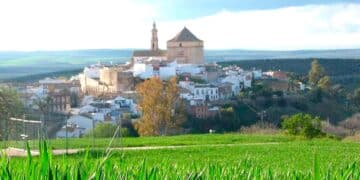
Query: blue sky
x,y
185,9
227,24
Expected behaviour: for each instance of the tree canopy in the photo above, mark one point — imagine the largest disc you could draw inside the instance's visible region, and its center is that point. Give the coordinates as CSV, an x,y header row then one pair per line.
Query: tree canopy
x,y
316,72
10,106
303,124
160,106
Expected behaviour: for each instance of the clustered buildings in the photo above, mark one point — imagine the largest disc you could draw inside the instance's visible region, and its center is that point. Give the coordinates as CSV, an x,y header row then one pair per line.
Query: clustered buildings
x,y
202,85
107,92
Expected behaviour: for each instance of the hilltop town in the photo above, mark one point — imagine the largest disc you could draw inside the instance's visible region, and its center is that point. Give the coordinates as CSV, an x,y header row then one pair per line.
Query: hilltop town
x,y
106,92
211,90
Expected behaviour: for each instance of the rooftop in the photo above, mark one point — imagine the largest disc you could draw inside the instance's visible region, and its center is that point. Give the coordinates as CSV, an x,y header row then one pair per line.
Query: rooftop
x,y
184,35
149,53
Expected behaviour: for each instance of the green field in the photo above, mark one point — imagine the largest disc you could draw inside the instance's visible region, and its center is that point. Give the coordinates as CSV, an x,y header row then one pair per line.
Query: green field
x,y
208,139
235,156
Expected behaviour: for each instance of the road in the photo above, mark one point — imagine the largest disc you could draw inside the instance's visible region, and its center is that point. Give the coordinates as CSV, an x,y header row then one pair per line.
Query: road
x,y
16,152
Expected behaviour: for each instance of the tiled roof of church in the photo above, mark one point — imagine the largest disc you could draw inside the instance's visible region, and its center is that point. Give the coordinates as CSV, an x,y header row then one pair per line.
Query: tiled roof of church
x,y
149,53
184,35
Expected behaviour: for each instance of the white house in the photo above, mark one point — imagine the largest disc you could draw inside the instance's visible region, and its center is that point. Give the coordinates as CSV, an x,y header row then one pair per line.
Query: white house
x,y
189,68
76,126
93,71
257,73
166,72
239,81
235,81
205,92
143,70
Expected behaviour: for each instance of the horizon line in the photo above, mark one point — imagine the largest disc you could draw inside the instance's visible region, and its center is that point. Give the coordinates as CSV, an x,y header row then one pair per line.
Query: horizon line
x,y
218,49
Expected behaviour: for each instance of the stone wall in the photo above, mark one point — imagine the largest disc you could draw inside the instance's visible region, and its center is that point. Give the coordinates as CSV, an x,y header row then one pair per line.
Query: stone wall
x,y
186,52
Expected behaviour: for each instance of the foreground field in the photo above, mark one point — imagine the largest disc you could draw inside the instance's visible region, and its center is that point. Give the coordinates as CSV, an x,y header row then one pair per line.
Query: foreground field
x,y
251,156
101,143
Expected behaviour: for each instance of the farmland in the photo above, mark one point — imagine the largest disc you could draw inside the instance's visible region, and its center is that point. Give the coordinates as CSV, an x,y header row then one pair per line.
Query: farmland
x,y
179,140
229,155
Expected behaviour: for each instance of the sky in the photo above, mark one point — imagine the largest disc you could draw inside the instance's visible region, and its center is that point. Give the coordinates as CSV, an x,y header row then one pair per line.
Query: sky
x,y
29,25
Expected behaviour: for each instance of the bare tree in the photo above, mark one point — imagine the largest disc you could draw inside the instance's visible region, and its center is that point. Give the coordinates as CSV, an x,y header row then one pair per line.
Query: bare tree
x,y
352,123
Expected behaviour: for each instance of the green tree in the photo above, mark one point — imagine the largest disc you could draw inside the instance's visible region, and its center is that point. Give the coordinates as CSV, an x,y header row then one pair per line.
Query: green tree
x,y
10,106
106,130
316,73
303,124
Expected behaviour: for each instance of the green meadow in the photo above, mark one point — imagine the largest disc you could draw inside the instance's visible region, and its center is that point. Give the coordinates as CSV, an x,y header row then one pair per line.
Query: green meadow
x,y
216,156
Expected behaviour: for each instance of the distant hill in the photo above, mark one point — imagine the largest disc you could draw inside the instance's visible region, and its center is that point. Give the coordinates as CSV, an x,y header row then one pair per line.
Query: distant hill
x,y
234,55
15,64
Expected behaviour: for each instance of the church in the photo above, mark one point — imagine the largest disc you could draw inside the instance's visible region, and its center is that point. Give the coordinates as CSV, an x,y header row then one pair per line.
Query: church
x,y
185,48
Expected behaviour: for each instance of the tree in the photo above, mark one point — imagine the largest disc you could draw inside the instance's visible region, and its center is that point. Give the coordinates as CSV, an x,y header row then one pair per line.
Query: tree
x,y
355,98
316,72
10,106
43,104
315,95
303,124
324,83
75,101
293,79
160,106
352,123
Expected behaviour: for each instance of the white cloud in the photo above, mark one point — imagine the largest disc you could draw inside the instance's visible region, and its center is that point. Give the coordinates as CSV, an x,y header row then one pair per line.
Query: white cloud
x,y
306,27
83,24
72,24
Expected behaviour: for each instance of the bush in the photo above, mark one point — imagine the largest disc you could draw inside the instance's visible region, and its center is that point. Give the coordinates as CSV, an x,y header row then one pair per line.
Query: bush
x,y
334,130
260,128
303,124
352,123
107,130
355,137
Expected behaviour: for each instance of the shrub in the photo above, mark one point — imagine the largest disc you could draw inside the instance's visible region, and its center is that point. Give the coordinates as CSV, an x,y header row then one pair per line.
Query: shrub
x,y
352,123
334,130
355,137
303,124
260,128
107,130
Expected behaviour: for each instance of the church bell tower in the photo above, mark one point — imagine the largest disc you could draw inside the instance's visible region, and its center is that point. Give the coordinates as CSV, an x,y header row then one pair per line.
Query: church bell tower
x,y
154,39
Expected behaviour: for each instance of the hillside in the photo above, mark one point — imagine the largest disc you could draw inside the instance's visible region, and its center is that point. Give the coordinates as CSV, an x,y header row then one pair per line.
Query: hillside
x,y
14,64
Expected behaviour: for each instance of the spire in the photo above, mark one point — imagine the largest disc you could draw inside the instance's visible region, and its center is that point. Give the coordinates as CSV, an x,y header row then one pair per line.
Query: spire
x,y
154,38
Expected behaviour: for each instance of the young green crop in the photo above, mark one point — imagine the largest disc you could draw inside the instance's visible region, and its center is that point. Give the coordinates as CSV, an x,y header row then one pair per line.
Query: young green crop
x,y
318,159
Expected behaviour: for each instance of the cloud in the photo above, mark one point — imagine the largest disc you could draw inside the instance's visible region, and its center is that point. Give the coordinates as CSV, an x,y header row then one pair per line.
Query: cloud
x,y
72,24
84,24
306,27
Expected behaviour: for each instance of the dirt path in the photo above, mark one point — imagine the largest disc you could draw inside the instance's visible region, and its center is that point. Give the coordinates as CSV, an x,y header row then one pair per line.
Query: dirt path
x,y
16,152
